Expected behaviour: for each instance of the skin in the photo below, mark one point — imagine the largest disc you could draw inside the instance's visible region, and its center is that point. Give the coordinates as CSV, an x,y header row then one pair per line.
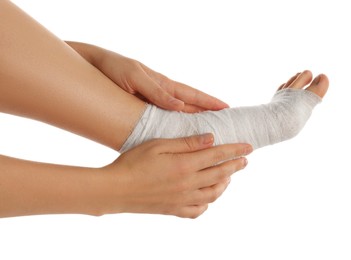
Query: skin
x,y
73,94
155,177
90,91
137,79
43,78
319,85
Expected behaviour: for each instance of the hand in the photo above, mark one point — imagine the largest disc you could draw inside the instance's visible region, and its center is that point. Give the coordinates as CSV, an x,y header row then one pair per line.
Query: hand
x,y
137,79
172,176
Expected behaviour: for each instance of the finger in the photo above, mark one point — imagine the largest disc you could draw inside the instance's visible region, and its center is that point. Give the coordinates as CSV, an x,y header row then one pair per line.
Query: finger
x,y
209,157
192,109
187,144
210,194
155,94
218,173
195,97
185,93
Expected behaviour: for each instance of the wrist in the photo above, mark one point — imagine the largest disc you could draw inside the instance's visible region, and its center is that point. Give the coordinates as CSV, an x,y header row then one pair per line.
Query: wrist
x,y
106,192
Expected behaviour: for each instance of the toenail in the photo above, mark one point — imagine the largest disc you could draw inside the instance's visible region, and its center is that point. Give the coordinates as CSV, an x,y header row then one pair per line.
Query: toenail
x,y
317,79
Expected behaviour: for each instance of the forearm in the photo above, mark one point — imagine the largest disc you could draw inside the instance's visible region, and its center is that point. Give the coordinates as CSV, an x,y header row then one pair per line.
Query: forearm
x,y
31,188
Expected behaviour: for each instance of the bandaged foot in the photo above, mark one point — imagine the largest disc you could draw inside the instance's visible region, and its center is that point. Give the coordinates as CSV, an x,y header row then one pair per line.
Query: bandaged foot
x,y
277,121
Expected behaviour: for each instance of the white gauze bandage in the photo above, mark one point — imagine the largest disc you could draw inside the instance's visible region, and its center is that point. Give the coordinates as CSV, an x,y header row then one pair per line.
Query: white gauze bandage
x,y
262,125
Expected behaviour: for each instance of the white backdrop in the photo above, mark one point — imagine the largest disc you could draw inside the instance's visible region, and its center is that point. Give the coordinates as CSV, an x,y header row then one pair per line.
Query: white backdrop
x,y
293,199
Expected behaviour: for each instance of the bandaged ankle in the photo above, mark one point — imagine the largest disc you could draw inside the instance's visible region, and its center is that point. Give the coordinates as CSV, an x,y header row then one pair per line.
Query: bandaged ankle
x,y
262,125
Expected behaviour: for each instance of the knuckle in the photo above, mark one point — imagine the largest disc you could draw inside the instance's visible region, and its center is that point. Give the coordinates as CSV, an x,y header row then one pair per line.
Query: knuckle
x,y
233,166
133,69
181,186
159,91
229,167
134,66
214,194
224,170
219,155
211,197
156,93
196,96
189,142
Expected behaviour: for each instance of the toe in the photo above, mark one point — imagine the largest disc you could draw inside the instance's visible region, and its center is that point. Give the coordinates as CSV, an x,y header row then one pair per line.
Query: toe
x,y
319,85
302,80
289,81
281,87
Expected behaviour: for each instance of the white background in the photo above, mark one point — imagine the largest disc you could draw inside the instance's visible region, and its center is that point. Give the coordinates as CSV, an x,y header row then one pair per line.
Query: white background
x,y
291,202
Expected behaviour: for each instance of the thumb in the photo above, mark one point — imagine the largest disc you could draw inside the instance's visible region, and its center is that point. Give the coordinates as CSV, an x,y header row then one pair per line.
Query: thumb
x,y
157,95
188,144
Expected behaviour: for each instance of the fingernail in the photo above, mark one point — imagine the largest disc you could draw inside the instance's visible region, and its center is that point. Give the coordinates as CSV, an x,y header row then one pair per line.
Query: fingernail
x,y
245,162
207,138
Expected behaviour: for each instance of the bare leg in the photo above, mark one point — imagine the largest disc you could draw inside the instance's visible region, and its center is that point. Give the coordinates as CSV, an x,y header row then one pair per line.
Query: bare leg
x,y
41,77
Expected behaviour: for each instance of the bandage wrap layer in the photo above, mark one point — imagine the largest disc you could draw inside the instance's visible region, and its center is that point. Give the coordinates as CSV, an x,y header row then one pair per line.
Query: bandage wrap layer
x,y
277,121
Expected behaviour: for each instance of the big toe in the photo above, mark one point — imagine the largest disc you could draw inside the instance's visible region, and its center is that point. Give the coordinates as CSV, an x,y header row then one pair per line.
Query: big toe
x,y
319,85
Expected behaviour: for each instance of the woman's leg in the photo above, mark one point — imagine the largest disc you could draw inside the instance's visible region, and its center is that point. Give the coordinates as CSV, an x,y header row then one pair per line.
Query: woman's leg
x,y
42,78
